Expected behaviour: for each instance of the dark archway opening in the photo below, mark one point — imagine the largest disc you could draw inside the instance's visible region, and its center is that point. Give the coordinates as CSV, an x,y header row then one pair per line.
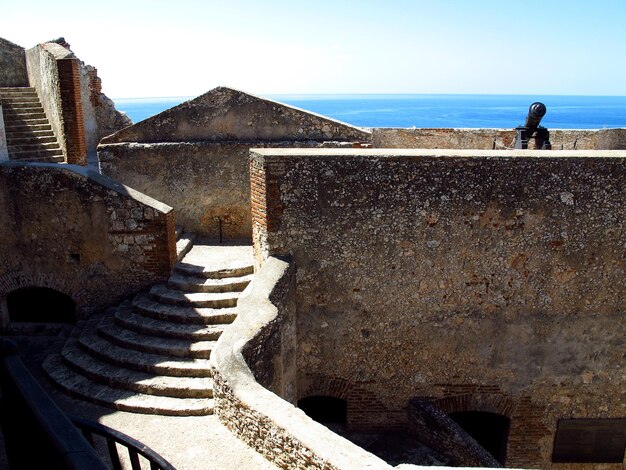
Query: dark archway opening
x,y
40,305
490,430
325,410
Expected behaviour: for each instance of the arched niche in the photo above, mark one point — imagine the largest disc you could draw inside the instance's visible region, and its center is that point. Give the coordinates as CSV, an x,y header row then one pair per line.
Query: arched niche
x,y
40,305
490,430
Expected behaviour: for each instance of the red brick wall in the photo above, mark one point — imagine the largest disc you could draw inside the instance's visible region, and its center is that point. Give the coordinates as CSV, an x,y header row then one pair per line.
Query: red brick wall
x,y
72,111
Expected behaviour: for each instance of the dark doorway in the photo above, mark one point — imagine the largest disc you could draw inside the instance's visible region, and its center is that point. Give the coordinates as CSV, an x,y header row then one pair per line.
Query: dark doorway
x,y
40,305
490,430
325,410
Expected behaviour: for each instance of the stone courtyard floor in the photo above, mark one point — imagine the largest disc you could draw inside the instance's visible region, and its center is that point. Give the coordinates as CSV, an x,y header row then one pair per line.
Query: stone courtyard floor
x,y
194,442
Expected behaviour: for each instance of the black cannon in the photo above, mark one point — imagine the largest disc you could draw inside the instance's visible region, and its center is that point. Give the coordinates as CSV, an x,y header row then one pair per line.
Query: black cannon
x,y
531,128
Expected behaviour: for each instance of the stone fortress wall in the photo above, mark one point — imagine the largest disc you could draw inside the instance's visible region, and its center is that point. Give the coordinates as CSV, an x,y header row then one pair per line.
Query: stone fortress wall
x,y
194,156
479,280
80,233
473,278
495,139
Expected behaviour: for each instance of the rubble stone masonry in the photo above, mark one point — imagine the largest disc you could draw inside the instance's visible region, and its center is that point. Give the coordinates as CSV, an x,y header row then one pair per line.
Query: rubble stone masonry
x,y
481,280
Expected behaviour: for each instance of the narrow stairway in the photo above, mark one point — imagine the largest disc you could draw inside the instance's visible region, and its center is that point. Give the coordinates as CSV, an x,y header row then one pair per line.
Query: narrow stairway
x,y
28,131
151,354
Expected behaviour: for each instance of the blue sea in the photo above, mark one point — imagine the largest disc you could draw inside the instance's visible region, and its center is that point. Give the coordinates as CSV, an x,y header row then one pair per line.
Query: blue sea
x,y
470,111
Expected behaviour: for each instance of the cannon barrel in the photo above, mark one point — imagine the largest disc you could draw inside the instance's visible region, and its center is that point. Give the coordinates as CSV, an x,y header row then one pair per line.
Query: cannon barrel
x,y
536,112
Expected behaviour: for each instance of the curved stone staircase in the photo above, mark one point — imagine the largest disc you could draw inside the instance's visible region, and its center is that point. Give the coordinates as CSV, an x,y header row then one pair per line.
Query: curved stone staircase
x,y
151,354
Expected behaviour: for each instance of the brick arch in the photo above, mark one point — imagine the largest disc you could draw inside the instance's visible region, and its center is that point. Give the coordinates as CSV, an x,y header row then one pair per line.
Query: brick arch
x,y
491,403
321,385
19,280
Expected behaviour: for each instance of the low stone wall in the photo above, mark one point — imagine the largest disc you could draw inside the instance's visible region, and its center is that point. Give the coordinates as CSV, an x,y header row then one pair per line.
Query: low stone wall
x,y
43,75
206,182
496,139
12,65
80,233
496,276
260,345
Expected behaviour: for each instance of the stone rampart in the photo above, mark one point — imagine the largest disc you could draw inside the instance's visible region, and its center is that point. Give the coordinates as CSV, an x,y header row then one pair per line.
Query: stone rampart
x,y
495,139
194,156
83,234
455,274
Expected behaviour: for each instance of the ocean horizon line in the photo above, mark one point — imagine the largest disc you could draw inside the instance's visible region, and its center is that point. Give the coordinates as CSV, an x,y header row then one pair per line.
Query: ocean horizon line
x,y
358,95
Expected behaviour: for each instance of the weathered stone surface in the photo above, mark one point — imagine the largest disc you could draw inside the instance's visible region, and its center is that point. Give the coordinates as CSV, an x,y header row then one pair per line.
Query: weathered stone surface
x,y
264,335
456,274
12,65
80,233
194,156
498,139
224,114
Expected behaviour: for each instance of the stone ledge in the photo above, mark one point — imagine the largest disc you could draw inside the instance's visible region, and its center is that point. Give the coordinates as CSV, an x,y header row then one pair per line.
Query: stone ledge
x,y
94,176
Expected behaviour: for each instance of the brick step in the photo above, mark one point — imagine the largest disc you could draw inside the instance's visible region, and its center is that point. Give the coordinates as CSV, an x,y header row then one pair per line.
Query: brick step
x,y
126,318
143,361
148,307
29,140
123,400
164,346
33,145
202,284
27,129
163,294
133,380
201,271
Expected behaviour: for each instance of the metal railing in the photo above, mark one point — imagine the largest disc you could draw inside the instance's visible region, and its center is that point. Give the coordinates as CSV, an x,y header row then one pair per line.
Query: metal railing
x,y
113,439
37,434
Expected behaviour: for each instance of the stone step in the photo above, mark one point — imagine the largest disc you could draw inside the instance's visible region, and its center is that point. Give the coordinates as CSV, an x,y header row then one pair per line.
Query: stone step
x,y
32,154
33,146
19,100
143,361
164,346
27,135
203,284
184,243
163,294
21,107
123,400
22,115
27,158
136,381
189,269
27,129
31,139
165,329
25,122
147,307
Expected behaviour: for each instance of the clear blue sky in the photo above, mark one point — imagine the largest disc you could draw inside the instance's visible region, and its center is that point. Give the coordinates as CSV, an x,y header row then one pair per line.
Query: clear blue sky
x,y
186,47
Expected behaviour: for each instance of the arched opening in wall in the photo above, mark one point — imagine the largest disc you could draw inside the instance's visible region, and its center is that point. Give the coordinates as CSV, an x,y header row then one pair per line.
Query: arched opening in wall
x,y
40,305
329,411
490,430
